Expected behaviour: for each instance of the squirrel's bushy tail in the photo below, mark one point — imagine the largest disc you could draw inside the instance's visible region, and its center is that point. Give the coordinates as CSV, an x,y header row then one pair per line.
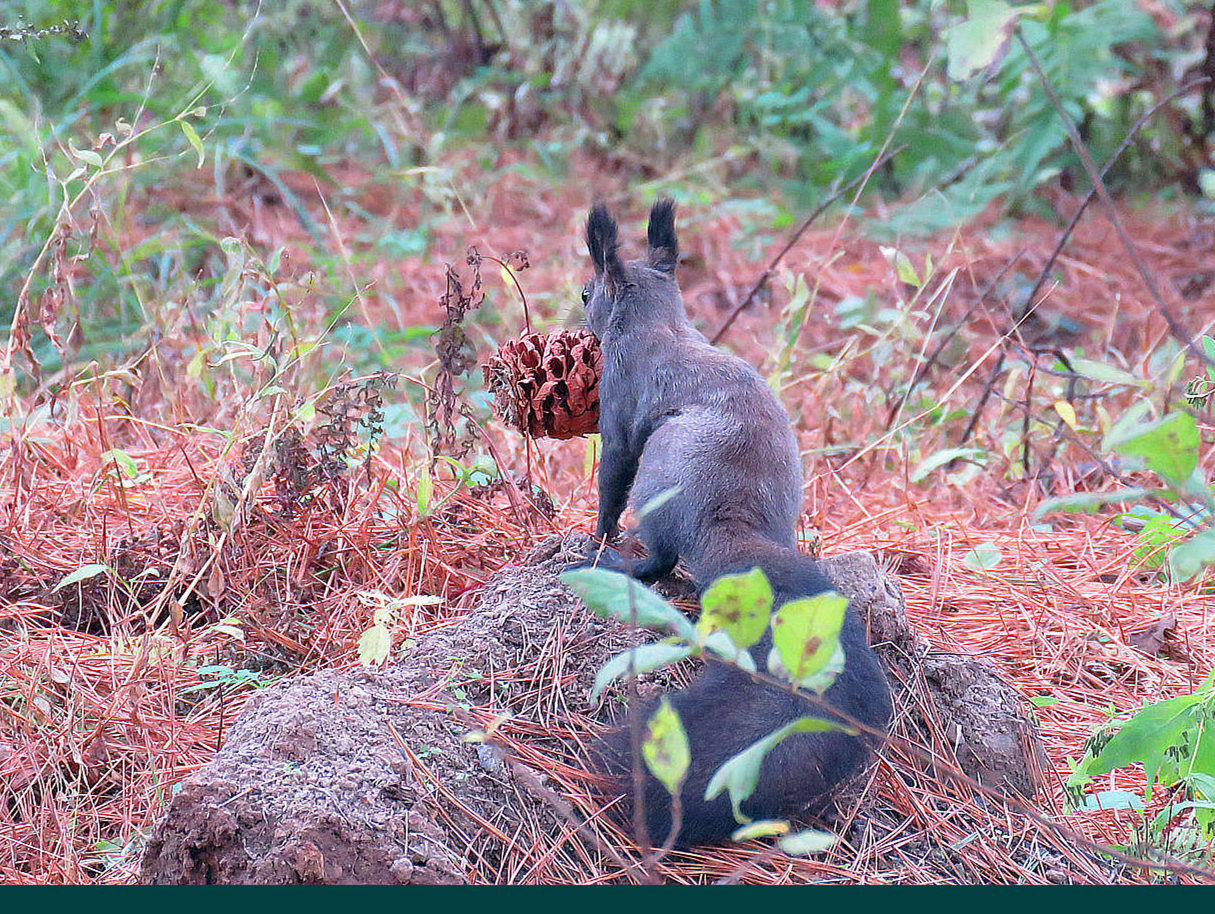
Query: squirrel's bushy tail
x,y
725,711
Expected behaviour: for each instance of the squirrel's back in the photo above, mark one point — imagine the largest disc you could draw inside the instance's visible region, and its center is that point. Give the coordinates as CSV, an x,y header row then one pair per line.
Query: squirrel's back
x,y
704,451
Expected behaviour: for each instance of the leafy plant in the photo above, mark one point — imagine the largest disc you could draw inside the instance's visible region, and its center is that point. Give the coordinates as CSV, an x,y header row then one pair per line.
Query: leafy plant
x,y
375,644
222,676
1157,533
1167,446
1174,741
821,89
1180,533
737,614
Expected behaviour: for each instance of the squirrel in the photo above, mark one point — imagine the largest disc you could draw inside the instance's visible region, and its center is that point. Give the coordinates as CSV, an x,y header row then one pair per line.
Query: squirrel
x,y
684,420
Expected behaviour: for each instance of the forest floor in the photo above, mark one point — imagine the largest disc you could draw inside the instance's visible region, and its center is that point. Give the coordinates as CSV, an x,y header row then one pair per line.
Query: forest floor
x,y
164,554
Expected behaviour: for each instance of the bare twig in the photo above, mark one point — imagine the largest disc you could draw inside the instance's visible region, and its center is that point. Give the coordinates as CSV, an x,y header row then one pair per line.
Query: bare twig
x,y
926,366
1098,186
1178,330
1044,273
770,269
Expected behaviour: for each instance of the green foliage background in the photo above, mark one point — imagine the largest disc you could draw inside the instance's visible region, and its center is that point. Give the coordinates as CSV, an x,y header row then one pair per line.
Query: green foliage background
x,y
779,98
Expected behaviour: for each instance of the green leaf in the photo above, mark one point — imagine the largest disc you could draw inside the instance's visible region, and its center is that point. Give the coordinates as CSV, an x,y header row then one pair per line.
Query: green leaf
x,y
740,774
425,491
1204,784
192,138
883,29
374,645
1168,446
983,557
1106,374
806,842
1208,347
806,635
1157,537
1189,558
611,594
1111,799
644,658
940,458
1202,755
197,364
1085,502
973,45
738,604
124,461
902,266
760,828
1146,737
1173,810
665,748
84,572
86,155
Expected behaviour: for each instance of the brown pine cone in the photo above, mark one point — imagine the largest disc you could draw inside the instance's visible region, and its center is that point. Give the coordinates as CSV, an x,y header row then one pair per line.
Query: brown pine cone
x,y
547,385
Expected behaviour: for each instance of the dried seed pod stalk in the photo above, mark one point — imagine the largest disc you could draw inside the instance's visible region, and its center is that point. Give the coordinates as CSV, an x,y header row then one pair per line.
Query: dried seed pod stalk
x,y
547,385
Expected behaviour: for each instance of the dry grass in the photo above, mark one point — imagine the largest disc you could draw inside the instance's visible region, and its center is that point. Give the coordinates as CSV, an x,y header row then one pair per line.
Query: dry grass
x,y
99,718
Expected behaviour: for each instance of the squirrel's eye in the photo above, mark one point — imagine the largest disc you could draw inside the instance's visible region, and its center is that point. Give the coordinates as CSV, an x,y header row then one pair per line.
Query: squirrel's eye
x,y
586,294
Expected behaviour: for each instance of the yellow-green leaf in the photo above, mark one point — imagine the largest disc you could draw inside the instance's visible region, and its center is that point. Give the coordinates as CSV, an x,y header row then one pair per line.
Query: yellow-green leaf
x,y
86,155
665,748
806,633
806,842
1066,412
738,604
425,490
374,645
761,828
192,138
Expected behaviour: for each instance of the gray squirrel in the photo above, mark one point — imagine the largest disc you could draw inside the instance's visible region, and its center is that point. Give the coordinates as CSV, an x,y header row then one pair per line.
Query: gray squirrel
x,y
678,414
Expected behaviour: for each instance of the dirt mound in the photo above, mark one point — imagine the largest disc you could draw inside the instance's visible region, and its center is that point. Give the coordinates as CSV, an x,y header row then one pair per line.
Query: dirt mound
x,y
365,777
310,787
984,718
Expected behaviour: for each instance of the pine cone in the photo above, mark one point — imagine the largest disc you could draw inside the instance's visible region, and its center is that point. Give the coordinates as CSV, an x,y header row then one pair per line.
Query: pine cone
x,y
547,385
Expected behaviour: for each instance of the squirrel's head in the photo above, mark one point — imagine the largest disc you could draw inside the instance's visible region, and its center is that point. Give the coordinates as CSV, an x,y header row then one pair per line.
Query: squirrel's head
x,y
623,295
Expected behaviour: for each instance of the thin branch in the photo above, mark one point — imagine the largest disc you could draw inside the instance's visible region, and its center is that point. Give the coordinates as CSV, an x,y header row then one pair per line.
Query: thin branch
x,y
770,269
1176,327
936,353
1044,273
1092,194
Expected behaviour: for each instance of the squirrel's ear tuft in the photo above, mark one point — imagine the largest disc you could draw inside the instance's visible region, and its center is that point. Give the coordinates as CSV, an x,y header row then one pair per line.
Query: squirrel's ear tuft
x,y
601,242
664,248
